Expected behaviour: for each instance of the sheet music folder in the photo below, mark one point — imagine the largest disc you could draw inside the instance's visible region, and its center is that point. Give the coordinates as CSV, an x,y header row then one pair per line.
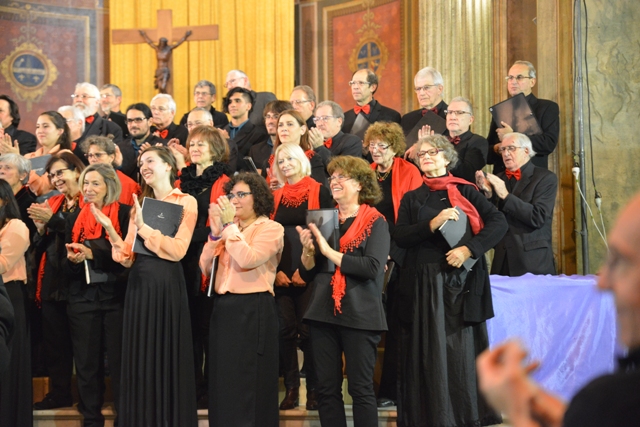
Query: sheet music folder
x,y
457,233
437,124
38,164
516,112
162,216
327,222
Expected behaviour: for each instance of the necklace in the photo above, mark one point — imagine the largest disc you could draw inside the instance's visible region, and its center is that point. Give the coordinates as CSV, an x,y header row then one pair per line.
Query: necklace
x,y
382,176
343,219
244,227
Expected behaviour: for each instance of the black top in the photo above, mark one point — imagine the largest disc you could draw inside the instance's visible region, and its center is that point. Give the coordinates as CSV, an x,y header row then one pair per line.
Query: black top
x,y
130,153
246,137
548,115
220,120
412,118
101,127
364,271
261,151
121,120
6,327
345,144
175,131
378,113
25,198
472,154
27,142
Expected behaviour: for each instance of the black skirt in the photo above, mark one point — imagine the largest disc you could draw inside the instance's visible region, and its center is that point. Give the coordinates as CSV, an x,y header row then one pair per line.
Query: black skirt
x,y
157,385
437,384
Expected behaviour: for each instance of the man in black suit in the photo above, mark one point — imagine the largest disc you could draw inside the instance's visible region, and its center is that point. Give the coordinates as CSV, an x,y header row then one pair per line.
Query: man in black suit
x,y
526,194
329,118
204,95
110,99
237,78
163,108
10,119
303,100
521,79
367,110
471,148
138,121
242,131
261,151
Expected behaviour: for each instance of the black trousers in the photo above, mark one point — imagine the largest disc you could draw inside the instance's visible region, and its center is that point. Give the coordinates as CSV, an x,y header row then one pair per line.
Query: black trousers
x,y
328,342
200,307
292,303
389,379
94,326
57,348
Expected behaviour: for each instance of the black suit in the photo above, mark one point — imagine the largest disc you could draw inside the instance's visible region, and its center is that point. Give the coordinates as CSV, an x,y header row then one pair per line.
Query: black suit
x,y
310,123
378,113
101,127
472,154
243,140
261,99
129,164
121,120
526,248
260,152
220,119
411,119
344,144
175,131
548,115
27,142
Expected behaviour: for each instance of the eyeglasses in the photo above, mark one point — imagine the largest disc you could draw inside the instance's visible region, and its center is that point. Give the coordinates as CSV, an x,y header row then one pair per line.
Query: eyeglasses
x,y
358,84
58,173
136,120
339,179
510,148
271,117
190,125
105,95
379,147
240,195
198,93
456,112
230,83
323,119
519,78
300,101
424,88
433,152
160,109
83,96
96,156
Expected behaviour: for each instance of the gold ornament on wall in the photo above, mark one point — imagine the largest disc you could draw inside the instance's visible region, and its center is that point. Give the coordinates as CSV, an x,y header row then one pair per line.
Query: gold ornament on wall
x,y
370,52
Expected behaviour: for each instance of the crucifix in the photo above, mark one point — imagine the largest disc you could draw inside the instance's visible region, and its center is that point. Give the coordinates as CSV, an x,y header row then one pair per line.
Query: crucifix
x,y
166,38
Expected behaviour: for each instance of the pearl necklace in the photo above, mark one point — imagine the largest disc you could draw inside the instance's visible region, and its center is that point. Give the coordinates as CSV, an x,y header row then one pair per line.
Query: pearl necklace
x,y
343,219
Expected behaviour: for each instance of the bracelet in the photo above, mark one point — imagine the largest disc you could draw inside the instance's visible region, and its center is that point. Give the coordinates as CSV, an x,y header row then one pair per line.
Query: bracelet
x,y
214,238
227,224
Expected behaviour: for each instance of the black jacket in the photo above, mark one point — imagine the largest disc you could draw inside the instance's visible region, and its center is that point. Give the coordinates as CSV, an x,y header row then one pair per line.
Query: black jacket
x,y
121,120
472,155
27,142
101,127
175,131
378,113
412,118
129,164
247,136
344,144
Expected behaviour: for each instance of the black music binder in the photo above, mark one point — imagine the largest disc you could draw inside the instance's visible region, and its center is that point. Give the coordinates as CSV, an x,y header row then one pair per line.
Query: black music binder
x,y
457,233
162,216
329,225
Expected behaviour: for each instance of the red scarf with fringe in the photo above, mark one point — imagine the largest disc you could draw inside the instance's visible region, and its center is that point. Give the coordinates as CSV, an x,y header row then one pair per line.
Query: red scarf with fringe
x,y
356,234
217,190
406,177
450,183
87,228
308,153
293,195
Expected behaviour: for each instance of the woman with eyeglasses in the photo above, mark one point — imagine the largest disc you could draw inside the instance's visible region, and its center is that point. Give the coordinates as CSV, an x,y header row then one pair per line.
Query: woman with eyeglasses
x,y
345,313
101,149
96,303
52,290
243,339
395,177
15,382
300,193
203,179
442,305
157,386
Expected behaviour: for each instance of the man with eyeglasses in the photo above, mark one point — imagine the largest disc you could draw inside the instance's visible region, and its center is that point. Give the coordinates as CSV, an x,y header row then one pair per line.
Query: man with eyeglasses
x,y
75,121
204,95
9,121
303,100
522,79
237,78
526,195
86,98
261,151
110,99
471,148
163,108
329,118
429,88
364,84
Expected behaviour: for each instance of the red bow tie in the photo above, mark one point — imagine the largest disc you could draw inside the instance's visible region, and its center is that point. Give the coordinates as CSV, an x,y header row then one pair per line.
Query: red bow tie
x,y
328,142
515,174
455,140
434,110
366,109
90,119
162,133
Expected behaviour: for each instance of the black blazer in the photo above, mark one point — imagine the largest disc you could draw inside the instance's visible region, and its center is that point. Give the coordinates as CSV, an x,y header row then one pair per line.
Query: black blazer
x,y
261,99
345,144
121,120
129,164
27,142
101,127
175,131
220,120
411,119
548,115
526,248
378,113
413,232
261,151
472,154
240,145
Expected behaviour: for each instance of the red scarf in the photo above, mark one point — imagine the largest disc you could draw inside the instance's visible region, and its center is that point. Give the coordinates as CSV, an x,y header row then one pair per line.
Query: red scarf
x,y
129,188
87,228
517,174
450,183
293,195
217,190
365,109
356,234
406,177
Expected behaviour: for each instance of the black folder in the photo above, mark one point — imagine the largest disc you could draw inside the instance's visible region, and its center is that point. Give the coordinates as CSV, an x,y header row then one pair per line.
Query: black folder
x,y
516,112
162,216
94,275
437,123
457,233
329,225
38,164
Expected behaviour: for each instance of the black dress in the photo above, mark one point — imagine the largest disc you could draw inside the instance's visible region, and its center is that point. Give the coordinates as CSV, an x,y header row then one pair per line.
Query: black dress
x,y
441,332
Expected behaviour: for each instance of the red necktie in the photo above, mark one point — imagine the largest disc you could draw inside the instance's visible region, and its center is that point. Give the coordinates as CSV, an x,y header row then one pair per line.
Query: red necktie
x,y
328,142
366,109
90,119
515,174
434,110
162,133
455,140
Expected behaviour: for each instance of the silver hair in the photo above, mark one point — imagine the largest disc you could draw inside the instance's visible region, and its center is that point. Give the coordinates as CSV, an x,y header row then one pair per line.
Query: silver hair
x,y
90,87
23,165
295,151
465,100
522,140
115,89
430,72
205,112
241,74
307,91
336,109
206,83
529,65
172,103
77,114
441,143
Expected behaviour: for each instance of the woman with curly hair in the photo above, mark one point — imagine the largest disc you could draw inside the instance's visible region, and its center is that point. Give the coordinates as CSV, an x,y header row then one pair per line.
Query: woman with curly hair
x,y
345,314
243,340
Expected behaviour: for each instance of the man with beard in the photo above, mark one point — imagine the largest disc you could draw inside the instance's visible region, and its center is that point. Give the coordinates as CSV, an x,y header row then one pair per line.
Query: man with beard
x,y
204,95
110,99
138,121
163,108
10,119
237,78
